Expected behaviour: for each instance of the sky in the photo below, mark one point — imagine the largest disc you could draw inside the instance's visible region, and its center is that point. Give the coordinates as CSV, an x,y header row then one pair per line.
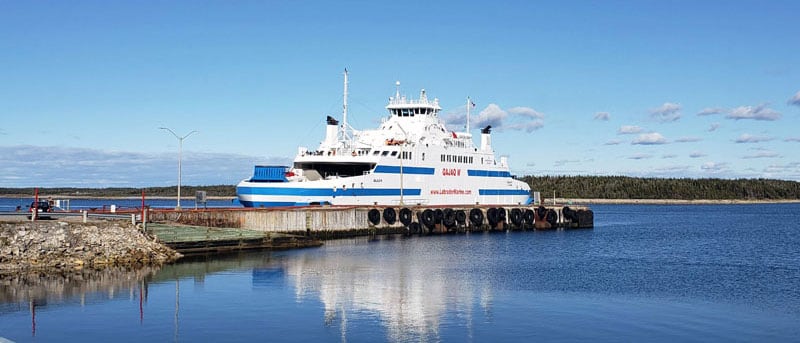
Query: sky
x,y
686,89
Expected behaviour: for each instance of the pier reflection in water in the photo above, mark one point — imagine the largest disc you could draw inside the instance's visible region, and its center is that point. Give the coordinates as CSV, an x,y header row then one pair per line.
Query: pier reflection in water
x,y
633,279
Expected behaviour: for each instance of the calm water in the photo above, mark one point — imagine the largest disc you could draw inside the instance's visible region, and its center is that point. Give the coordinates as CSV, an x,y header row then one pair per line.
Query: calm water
x,y
645,273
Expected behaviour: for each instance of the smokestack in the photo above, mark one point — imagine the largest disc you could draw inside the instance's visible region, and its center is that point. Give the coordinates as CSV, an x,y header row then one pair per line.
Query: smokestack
x,y
486,138
331,132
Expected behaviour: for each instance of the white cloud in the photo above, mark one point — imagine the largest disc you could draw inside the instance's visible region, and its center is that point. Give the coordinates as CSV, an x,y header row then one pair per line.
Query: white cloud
x,y
711,110
456,121
748,138
526,112
491,115
714,167
792,139
762,154
713,127
613,142
560,163
516,118
667,112
669,156
670,170
653,138
793,167
527,127
760,112
795,100
697,154
688,139
640,157
629,130
604,116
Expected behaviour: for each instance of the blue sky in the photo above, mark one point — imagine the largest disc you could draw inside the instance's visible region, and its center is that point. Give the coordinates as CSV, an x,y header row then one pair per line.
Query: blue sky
x,y
640,88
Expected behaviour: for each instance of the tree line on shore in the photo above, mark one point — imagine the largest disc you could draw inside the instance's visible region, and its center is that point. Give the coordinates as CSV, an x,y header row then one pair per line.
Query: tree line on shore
x,y
586,187
624,187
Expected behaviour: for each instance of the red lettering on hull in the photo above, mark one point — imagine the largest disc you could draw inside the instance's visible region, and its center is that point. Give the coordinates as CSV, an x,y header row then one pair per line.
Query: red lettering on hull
x,y
451,172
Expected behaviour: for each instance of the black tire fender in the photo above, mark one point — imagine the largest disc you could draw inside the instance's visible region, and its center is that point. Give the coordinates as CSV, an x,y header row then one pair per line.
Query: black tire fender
x,y
374,216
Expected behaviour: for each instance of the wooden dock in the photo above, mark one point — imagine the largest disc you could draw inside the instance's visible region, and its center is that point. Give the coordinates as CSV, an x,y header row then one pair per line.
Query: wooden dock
x,y
189,239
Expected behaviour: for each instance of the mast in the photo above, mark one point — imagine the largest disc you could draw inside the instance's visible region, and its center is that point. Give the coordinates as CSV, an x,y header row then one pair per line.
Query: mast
x,y
344,108
469,104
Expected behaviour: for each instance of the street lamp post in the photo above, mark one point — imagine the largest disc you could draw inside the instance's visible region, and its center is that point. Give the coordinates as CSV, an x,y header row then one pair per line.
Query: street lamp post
x,y
180,155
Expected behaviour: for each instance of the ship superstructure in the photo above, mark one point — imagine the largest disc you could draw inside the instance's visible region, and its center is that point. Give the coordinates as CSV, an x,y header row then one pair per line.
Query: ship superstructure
x,y
410,159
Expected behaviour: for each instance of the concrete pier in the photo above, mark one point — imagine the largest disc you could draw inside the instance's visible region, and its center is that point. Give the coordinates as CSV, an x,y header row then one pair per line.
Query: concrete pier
x,y
325,222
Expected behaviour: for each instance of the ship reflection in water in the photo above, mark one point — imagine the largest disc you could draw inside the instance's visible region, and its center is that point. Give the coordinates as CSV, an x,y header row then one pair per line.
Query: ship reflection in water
x,y
409,292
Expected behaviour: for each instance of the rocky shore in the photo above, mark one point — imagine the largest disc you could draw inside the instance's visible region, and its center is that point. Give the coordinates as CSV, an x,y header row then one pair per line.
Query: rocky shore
x,y
66,245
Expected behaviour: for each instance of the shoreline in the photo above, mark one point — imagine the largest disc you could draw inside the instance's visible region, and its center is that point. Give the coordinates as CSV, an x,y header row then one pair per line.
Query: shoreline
x,y
546,201
671,201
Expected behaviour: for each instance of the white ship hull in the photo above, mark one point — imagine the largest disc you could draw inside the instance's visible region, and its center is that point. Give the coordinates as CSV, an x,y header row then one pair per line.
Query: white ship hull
x,y
421,186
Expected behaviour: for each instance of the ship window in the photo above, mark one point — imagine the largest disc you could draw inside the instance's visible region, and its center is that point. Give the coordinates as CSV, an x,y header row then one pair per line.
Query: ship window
x,y
442,156
385,153
376,152
470,159
394,153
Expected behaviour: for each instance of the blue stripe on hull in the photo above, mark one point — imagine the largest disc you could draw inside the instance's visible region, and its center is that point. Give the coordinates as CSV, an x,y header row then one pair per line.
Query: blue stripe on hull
x,y
271,203
503,192
406,170
325,192
488,173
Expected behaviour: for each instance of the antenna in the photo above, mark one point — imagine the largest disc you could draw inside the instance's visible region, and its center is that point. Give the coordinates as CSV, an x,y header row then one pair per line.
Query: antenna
x,y
397,93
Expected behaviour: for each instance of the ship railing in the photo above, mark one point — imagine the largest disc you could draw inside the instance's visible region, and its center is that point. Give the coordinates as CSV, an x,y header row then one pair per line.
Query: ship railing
x,y
405,101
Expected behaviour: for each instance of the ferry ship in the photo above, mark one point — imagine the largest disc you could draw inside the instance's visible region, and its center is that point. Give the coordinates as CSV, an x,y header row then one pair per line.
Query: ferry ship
x,y
410,159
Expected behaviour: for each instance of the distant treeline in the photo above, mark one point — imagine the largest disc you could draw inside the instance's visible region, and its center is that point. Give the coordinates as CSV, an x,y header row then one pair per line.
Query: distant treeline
x,y
587,187
623,187
186,191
